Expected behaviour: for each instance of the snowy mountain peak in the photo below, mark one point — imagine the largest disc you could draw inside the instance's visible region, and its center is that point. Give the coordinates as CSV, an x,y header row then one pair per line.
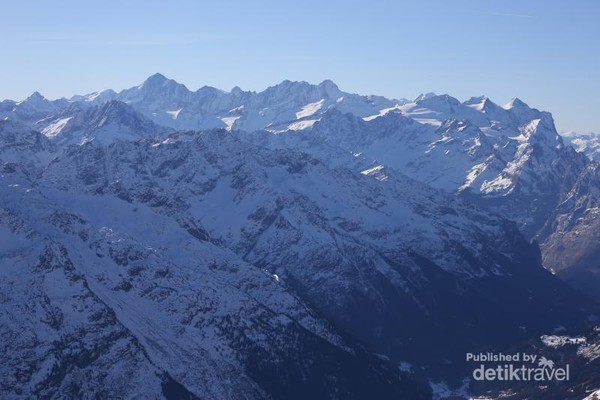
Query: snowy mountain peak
x,y
425,96
237,91
36,102
330,87
155,79
36,96
35,106
515,103
288,87
439,99
476,100
158,84
209,90
481,103
328,83
301,91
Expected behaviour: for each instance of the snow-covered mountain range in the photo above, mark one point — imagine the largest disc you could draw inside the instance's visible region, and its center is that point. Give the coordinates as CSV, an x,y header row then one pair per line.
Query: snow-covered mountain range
x,y
297,242
587,143
288,105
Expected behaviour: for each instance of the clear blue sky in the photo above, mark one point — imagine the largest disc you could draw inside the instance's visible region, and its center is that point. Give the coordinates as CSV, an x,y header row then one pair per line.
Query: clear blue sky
x,y
546,52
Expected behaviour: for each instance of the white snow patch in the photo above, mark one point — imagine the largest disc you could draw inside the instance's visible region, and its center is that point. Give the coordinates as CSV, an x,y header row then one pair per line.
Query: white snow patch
x,y
382,113
300,125
174,114
229,121
376,172
310,109
498,184
405,367
240,108
556,341
429,121
472,175
92,96
166,141
56,127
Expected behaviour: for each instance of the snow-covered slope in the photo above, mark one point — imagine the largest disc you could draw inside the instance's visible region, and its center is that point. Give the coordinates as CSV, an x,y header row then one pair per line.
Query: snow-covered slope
x,y
107,296
456,147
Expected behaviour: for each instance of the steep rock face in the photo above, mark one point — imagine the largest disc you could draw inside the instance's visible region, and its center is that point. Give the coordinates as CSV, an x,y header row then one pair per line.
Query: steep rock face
x,y
573,246
403,268
108,297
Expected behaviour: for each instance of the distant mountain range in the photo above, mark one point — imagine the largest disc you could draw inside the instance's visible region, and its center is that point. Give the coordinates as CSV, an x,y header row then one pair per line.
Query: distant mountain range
x,y
297,242
587,143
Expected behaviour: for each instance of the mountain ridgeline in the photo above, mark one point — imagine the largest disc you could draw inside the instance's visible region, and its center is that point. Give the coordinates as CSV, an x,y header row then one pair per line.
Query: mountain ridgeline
x,y
299,242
